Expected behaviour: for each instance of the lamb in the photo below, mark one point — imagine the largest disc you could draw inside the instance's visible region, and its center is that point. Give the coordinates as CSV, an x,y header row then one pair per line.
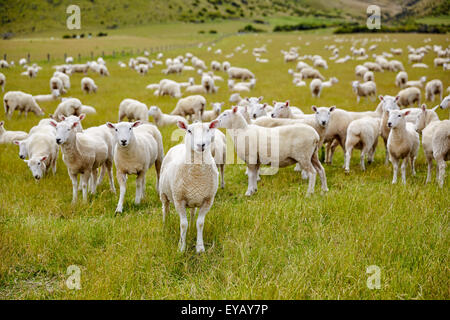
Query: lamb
x,y
225,66
69,107
295,143
162,119
10,136
169,87
55,95
369,76
138,146
133,110
142,69
196,88
88,85
210,115
433,88
415,57
82,153
445,104
396,51
240,73
190,106
395,65
189,178
408,96
22,102
2,81
301,65
42,152
416,83
401,79
366,89
362,134
387,103
174,68
403,143
64,78
316,87
216,66
310,73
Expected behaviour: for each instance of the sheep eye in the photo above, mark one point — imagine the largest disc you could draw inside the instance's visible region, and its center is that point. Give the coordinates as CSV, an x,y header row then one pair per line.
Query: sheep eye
x,y
189,131
116,130
399,116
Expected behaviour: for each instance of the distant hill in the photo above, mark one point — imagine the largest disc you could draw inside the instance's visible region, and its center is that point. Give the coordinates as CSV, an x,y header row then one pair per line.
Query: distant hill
x,y
38,15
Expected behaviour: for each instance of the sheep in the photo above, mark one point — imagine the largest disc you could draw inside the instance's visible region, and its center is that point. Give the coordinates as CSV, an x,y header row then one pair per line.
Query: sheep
x,y
235,98
133,110
82,153
441,148
31,72
2,81
440,61
225,66
88,85
433,88
320,63
64,78
80,68
103,71
240,73
216,66
373,66
362,134
360,71
403,143
196,88
386,104
190,106
401,79
420,65
137,147
10,136
445,104
4,64
22,102
162,119
174,68
301,65
69,107
396,51
316,87
169,87
369,76
408,96
310,73
55,95
210,115
395,65
189,178
416,83
142,69
296,144
415,58
366,89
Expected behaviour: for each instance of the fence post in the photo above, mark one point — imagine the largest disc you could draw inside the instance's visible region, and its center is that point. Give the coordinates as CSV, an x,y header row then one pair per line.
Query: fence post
x,y
28,58
65,57
114,54
103,54
92,55
79,57
48,57
4,57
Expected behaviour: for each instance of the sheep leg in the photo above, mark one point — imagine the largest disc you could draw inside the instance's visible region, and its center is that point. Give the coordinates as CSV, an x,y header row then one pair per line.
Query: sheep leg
x,y
309,168
252,179
165,206
413,166
348,156
319,169
74,179
102,174
222,177
403,168
84,184
181,208
440,163
333,147
122,180
93,181
158,172
139,187
54,165
200,223
395,167
109,167
430,166
362,158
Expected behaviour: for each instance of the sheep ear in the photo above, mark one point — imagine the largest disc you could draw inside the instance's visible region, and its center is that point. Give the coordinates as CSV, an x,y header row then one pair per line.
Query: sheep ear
x,y
406,113
26,161
16,142
214,124
332,108
235,109
380,97
248,99
397,98
110,125
182,124
287,103
2,123
260,98
61,117
82,116
75,124
424,107
53,123
314,108
264,105
136,124
43,158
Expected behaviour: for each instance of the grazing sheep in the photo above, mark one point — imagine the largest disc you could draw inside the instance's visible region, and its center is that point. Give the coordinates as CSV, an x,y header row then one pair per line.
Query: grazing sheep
x,y
10,136
169,87
403,143
142,69
189,178
396,51
80,68
216,66
64,78
316,87
360,71
162,119
310,73
415,58
138,146
196,88
440,61
82,153
416,83
420,65
373,66
2,81
56,85
240,73
408,96
55,95
366,89
295,143
22,102
71,107
362,134
210,115
190,106
433,88
133,110
445,104
401,79
88,85
395,65
369,76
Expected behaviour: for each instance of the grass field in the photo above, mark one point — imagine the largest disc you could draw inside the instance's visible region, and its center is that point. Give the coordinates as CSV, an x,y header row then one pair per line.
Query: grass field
x,y
277,244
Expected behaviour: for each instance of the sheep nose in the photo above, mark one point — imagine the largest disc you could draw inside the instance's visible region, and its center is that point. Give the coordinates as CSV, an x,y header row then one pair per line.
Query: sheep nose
x,y
124,142
58,141
273,116
389,124
21,157
37,177
323,123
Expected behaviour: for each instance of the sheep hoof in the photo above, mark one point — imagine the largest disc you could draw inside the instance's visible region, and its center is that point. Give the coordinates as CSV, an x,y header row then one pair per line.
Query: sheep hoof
x,y
200,249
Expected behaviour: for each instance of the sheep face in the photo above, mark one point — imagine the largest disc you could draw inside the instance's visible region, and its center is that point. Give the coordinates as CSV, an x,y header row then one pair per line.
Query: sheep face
x,y
396,118
23,152
258,110
217,106
389,103
37,167
123,132
64,130
445,103
323,115
199,135
355,85
280,109
154,110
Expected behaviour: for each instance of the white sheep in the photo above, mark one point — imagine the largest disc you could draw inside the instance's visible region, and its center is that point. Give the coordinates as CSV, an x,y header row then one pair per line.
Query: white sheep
x,y
189,178
192,106
366,89
420,65
403,143
162,119
316,87
88,85
416,83
2,81
133,110
69,107
10,136
240,73
401,79
292,143
408,96
362,134
210,115
433,88
22,102
441,148
169,87
138,146
64,78
311,73
360,71
368,76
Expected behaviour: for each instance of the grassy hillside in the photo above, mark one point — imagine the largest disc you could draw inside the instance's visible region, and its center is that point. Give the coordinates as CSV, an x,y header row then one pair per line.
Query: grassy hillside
x,y
27,16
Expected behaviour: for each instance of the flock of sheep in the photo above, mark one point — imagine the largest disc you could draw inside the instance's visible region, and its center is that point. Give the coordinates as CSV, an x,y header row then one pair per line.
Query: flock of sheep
x,y
188,174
